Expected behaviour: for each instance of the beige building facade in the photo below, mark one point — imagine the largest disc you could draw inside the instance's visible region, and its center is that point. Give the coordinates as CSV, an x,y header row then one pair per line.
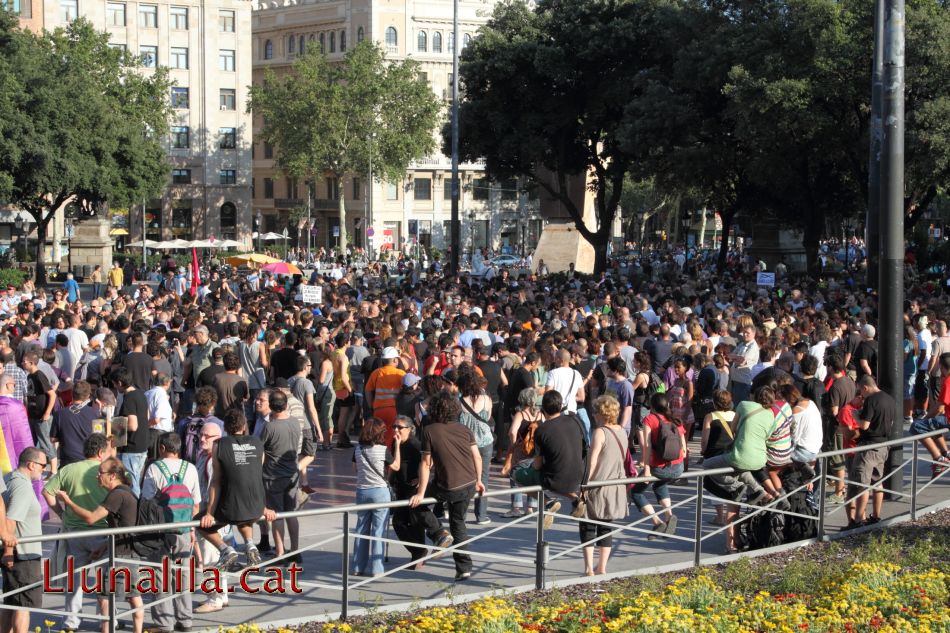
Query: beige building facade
x,y
416,210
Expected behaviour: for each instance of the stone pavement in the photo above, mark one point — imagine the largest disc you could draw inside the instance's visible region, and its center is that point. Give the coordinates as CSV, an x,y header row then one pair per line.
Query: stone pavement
x,y
508,544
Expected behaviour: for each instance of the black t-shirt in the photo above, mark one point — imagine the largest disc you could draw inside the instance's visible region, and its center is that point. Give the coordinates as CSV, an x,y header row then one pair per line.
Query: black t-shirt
x,y
410,455
851,346
867,350
519,380
706,383
122,338
37,394
880,410
492,371
560,443
140,365
242,478
135,403
842,391
123,512
206,377
284,362
71,430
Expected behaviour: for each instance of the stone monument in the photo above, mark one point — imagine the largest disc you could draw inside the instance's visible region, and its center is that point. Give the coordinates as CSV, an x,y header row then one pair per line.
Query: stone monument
x,y
561,244
91,245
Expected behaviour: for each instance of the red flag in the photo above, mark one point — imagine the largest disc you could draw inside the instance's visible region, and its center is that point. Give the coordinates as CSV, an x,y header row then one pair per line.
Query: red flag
x,y
195,277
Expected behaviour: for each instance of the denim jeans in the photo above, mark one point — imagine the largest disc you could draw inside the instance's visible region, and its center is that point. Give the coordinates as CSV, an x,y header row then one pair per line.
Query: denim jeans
x,y
518,498
660,487
134,463
457,503
481,503
368,555
582,414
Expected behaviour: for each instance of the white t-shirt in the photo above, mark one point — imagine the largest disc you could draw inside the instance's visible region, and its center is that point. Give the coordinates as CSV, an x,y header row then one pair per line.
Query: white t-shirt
x,y
160,407
560,380
155,480
818,351
807,428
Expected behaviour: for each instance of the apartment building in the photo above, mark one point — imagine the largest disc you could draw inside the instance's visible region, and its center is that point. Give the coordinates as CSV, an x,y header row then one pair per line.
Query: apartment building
x,y
417,209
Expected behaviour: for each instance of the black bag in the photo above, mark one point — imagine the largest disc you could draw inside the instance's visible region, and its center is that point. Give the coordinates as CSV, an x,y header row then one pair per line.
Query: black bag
x,y
150,545
798,528
766,529
666,442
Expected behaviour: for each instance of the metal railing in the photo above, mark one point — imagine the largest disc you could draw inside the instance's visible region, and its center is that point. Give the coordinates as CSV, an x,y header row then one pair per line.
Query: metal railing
x,y
542,550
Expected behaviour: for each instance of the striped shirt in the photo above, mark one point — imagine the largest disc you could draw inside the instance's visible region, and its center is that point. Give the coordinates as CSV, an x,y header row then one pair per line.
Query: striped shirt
x,y
778,446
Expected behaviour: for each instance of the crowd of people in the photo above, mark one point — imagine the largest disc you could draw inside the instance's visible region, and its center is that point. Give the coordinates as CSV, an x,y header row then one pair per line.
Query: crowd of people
x,y
229,392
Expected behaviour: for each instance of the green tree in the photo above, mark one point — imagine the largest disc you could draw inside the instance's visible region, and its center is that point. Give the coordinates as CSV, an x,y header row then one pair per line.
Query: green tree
x,y
546,93
334,118
80,124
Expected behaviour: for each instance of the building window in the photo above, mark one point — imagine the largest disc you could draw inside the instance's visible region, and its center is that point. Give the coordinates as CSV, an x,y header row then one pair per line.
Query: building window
x,y
180,99
181,219
179,58
359,35
422,188
422,42
301,45
451,43
333,189
118,47
292,45
115,14
291,188
436,42
148,16
392,191
342,41
323,43
228,99
153,220
269,188
480,188
226,21
332,41
227,137
466,40
356,188
227,176
180,137
226,60
181,176
268,50
268,150
392,37
178,18
228,221
509,190
447,189
68,10
149,55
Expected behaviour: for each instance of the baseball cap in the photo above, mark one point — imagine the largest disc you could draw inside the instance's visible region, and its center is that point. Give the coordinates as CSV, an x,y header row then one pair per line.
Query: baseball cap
x,y
410,380
281,383
390,353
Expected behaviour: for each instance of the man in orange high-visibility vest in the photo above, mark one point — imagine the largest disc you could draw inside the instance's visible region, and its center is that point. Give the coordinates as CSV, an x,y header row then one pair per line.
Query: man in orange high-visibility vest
x,y
382,388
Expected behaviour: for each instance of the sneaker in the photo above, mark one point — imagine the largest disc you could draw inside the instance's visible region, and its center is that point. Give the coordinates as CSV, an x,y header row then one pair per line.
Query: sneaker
x,y
462,576
871,520
482,521
835,499
757,498
227,560
514,513
853,525
209,607
445,540
253,557
658,530
182,628
940,467
551,507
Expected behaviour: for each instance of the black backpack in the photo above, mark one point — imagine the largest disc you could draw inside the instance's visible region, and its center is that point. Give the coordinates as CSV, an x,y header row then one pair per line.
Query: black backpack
x,y
798,528
150,545
766,529
666,442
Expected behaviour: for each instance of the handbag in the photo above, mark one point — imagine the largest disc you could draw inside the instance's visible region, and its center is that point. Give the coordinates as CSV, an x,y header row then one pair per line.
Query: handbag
x,y
527,475
629,463
392,493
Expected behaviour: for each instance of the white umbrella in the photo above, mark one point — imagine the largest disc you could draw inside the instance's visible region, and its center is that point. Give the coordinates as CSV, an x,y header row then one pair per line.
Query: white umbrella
x,y
148,244
202,244
272,236
228,244
179,243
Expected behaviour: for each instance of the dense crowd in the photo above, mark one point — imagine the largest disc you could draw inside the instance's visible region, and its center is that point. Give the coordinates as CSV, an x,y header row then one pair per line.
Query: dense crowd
x,y
213,399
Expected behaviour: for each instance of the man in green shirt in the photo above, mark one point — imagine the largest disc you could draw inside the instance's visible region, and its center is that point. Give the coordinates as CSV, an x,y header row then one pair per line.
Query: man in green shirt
x,y
81,482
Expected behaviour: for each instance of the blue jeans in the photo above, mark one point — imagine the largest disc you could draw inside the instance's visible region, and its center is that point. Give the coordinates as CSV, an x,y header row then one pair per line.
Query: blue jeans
x,y
582,414
481,503
660,487
134,463
518,498
368,555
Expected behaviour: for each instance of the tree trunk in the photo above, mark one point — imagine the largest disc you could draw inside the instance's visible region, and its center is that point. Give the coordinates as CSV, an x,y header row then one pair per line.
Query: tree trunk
x,y
810,239
41,226
724,240
702,229
600,241
342,198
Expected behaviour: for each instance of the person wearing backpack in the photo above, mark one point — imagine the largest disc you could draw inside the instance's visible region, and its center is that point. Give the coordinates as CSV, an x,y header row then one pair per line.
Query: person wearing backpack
x,y
524,425
663,451
173,483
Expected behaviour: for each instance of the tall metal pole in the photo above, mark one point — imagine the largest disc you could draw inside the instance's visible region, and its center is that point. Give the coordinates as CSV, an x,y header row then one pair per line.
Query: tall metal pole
x,y
371,240
144,250
456,226
873,224
891,289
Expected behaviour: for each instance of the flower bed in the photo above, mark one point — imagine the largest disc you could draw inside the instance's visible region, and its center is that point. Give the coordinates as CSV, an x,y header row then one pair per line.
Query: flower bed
x,y
867,597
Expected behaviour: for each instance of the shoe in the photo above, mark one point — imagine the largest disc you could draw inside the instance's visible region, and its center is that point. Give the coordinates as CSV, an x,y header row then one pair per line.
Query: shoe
x,y
482,521
551,507
670,526
853,525
835,499
514,513
940,467
758,498
578,509
181,628
227,560
445,540
871,521
209,607
462,576
265,547
657,529
253,557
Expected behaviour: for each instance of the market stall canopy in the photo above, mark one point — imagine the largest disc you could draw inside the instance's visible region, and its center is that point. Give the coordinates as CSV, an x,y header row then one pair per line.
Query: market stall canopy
x,y
251,259
272,236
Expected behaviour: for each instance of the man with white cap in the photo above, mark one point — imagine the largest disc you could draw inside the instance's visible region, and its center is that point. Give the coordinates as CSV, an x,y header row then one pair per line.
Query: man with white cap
x,y
865,357
383,387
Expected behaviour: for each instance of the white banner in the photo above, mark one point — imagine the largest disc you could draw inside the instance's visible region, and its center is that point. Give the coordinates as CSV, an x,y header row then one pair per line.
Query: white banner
x,y
312,294
765,279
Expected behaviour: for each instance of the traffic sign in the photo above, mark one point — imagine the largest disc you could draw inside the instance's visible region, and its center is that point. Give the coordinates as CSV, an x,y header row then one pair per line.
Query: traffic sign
x,y
370,232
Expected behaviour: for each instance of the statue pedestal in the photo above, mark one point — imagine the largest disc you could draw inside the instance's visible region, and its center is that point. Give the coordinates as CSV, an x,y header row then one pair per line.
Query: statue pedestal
x,y
91,246
562,244
772,244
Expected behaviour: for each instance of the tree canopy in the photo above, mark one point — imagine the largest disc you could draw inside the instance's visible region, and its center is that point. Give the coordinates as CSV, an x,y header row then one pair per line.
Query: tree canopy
x,y
335,118
80,123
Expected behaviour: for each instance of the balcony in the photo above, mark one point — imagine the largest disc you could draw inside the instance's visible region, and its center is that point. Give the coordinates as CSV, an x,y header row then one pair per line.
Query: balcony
x,y
289,203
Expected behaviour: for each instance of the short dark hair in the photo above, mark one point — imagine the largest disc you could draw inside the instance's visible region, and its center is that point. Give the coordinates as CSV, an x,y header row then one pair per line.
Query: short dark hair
x,y
277,400
29,454
234,422
170,443
617,365
121,376
232,361
94,444
808,365
551,402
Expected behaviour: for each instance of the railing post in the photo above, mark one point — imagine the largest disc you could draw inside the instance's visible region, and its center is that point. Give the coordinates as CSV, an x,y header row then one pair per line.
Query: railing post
x,y
913,481
698,526
345,597
823,475
111,625
541,548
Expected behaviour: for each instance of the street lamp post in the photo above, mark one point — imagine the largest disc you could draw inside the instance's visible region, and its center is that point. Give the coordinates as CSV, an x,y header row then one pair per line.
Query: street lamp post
x,y
286,235
69,244
471,229
260,227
